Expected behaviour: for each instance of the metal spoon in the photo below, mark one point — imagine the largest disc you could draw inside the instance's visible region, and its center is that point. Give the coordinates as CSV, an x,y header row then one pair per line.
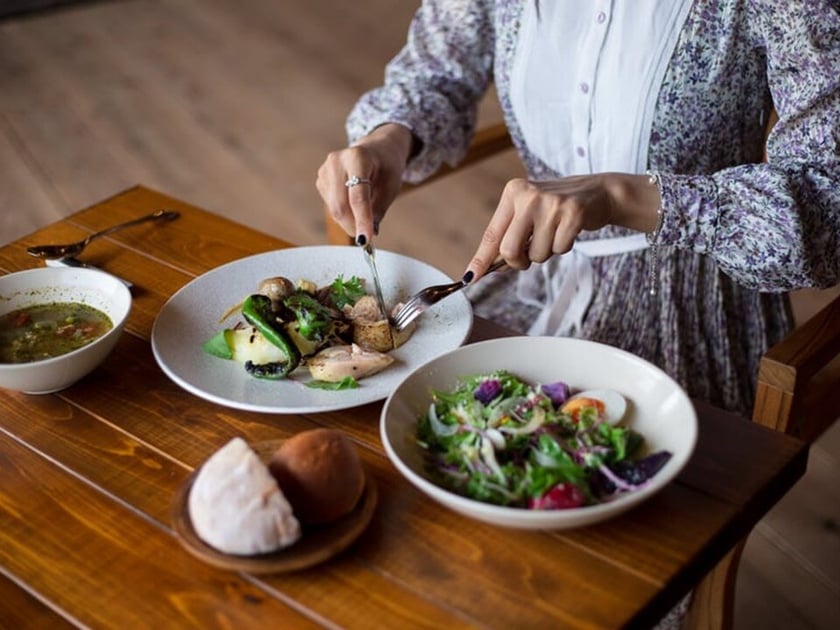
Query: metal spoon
x,y
74,249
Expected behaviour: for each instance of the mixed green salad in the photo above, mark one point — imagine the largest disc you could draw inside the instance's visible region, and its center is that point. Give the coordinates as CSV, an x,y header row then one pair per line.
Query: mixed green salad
x,y
498,439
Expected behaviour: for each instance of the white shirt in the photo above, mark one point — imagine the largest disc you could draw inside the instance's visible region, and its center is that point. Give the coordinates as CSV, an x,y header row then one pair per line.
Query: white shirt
x,y
585,78
584,84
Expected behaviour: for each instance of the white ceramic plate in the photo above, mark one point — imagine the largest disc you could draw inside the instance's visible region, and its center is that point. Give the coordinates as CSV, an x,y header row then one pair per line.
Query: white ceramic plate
x,y
657,407
191,316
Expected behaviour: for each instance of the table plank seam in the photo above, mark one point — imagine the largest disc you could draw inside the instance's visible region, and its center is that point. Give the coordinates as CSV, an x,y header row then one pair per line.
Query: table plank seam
x,y
36,595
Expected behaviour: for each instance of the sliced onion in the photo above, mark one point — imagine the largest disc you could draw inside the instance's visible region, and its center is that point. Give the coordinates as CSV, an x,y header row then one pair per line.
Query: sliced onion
x,y
502,490
536,421
488,455
543,459
618,481
233,309
438,427
496,437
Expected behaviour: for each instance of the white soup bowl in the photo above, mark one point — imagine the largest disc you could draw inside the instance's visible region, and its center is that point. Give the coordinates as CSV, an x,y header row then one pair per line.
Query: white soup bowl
x,y
62,284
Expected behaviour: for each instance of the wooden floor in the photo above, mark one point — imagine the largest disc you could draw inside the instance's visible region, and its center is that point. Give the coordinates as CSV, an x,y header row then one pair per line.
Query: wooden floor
x,y
233,106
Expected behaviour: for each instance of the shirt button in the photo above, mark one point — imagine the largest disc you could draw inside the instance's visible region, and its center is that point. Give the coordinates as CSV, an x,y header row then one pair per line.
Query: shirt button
x,y
584,87
580,152
601,17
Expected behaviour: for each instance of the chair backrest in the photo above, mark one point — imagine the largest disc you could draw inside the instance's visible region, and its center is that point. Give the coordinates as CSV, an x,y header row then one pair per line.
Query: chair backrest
x,y
799,378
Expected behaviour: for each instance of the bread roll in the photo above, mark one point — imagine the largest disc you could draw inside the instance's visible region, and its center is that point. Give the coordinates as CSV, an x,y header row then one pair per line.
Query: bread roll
x,y
236,505
320,473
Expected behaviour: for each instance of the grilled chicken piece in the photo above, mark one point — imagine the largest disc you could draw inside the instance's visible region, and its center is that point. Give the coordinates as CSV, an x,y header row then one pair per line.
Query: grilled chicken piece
x,y
338,362
372,332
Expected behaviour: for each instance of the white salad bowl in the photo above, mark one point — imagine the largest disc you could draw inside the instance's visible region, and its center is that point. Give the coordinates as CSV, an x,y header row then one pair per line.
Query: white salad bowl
x,y
62,284
658,408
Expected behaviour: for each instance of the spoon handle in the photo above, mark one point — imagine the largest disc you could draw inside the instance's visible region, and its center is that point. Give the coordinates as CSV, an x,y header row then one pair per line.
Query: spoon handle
x,y
74,249
168,215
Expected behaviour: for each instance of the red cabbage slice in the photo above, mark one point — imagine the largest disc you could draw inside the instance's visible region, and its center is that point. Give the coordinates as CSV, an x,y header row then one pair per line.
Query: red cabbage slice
x,y
558,392
488,390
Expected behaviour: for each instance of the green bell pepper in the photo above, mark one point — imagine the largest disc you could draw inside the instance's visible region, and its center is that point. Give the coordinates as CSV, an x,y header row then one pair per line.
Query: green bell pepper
x,y
256,309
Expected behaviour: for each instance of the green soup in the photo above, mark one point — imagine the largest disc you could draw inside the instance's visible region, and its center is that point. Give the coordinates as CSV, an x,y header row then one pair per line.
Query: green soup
x,y
49,330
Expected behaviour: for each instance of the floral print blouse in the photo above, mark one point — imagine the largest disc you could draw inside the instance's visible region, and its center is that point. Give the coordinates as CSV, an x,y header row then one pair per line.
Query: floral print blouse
x,y
737,232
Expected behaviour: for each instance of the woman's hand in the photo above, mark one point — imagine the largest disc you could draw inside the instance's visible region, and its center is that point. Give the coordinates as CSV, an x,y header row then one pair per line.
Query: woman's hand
x,y
379,157
537,220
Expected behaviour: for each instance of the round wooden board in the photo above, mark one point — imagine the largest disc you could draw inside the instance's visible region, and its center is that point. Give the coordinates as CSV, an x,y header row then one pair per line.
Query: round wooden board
x,y
316,544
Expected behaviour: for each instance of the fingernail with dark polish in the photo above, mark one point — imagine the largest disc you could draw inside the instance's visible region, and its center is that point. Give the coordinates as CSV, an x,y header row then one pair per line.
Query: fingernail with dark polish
x,y
468,277
376,228
361,240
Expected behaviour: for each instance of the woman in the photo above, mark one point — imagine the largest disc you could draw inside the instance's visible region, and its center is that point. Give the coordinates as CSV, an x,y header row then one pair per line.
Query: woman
x,y
650,219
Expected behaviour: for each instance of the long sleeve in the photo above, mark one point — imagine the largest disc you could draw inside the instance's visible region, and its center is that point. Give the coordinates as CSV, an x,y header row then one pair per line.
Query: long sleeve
x,y
775,226
434,83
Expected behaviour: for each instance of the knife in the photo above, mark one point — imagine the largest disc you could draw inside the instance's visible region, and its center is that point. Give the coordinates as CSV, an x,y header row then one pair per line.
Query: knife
x,y
75,262
370,256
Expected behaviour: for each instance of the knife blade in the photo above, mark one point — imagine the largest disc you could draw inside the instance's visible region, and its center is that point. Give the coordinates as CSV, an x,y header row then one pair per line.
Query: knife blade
x,y
75,262
370,256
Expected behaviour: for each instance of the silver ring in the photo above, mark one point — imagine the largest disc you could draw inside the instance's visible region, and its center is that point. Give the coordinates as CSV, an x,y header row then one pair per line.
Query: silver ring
x,y
355,181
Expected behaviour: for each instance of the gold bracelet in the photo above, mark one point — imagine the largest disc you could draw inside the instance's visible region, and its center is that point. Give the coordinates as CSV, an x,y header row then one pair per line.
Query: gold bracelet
x,y
653,236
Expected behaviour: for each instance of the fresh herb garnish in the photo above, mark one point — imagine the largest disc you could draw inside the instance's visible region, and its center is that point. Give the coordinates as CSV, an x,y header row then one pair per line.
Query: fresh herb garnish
x,y
346,292
348,382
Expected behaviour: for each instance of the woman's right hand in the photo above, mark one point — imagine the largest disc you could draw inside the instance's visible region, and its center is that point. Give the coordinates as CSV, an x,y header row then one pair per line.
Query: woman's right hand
x,y
380,157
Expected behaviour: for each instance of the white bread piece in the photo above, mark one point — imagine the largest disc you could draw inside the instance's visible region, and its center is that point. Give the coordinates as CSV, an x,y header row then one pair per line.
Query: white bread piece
x,y
236,505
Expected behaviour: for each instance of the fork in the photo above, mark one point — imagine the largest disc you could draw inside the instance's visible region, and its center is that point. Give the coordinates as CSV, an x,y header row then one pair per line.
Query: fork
x,y
425,298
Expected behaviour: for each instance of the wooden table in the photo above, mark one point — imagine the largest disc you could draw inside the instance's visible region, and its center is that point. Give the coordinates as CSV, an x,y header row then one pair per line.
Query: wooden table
x,y
87,476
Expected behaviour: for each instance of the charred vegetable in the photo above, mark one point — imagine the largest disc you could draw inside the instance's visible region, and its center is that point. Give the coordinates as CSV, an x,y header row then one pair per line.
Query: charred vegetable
x,y
313,320
288,325
256,309
271,371
244,344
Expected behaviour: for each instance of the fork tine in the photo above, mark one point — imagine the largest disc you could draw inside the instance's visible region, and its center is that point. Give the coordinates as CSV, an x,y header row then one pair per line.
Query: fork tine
x,y
412,301
411,310
406,317
423,299
408,313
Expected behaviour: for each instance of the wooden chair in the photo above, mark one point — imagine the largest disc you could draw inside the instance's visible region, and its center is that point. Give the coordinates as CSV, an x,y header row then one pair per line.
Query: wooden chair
x,y
798,379
796,393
